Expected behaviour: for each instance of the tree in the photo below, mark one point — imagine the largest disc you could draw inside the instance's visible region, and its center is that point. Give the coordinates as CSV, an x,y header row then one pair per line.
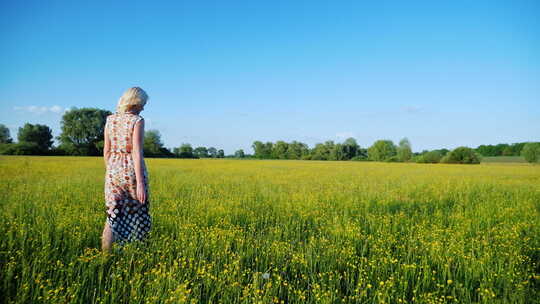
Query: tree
x,y
164,152
297,150
330,146
220,154
41,135
320,152
507,151
350,148
443,151
531,152
487,150
184,151
404,151
212,152
153,146
268,147
261,150
5,137
382,150
501,149
431,157
324,151
239,154
279,150
258,148
516,148
361,155
337,153
82,130
462,155
200,152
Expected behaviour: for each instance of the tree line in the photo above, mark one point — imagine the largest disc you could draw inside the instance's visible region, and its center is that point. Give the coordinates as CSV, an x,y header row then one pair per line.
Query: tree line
x,y
381,150
82,134
387,151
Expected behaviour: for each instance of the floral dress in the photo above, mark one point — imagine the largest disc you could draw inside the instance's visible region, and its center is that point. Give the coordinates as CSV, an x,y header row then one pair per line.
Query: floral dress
x,y
128,218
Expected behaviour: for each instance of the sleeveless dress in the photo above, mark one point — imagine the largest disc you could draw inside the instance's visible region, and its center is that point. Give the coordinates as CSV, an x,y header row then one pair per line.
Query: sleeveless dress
x,y
128,218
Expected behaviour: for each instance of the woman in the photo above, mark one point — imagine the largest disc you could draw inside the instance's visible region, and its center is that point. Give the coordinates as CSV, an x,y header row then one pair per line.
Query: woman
x,y
126,178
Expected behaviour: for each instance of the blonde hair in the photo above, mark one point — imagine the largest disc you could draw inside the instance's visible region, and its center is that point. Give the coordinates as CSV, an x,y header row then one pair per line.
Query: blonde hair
x,y
132,98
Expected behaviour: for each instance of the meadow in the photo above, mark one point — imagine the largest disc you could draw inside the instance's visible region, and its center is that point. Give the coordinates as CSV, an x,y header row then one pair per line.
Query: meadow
x,y
251,231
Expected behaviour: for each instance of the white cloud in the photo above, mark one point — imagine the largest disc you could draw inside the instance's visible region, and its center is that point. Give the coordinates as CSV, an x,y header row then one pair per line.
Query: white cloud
x,y
344,135
56,109
39,110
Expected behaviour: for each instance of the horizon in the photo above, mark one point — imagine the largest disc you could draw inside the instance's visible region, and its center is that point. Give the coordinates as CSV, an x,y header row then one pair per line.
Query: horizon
x,y
56,142
227,74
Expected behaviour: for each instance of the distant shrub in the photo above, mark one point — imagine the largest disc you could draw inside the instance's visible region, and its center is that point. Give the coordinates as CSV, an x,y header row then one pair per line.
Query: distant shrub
x,y
461,155
382,150
531,152
446,159
431,157
21,148
4,148
393,159
58,151
404,151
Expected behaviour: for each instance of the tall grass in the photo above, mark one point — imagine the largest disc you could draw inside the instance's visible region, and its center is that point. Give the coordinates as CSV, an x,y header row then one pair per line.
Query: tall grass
x,y
227,231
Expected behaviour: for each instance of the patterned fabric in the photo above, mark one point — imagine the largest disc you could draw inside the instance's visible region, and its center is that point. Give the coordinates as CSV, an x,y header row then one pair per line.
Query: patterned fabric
x,y
128,218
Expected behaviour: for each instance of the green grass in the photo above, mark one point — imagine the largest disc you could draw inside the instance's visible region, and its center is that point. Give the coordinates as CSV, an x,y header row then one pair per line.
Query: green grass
x,y
228,231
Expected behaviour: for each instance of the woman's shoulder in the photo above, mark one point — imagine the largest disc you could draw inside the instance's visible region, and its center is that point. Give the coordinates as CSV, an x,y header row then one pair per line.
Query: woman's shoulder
x,y
110,117
113,115
125,117
137,117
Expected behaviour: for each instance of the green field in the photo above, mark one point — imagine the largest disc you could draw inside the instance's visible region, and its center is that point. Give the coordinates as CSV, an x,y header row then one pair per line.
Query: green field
x,y
229,231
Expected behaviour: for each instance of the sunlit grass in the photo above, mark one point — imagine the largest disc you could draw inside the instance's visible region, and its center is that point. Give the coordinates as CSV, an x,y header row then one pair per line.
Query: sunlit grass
x,y
229,231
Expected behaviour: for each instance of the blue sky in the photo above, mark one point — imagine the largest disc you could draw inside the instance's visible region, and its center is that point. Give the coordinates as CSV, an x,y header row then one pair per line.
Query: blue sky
x,y
227,73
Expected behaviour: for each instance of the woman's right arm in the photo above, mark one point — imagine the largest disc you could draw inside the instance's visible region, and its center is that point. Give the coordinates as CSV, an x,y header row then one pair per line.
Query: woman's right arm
x,y
138,159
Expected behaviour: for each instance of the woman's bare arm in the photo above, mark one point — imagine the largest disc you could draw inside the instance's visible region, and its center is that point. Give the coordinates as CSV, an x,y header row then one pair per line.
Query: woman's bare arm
x,y
138,159
106,147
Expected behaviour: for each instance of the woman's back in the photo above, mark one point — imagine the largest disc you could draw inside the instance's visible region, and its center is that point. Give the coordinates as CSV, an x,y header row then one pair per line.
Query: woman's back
x,y
119,127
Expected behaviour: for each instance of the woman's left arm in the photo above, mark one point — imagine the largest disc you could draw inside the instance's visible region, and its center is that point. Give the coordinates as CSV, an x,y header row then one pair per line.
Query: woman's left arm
x,y
106,146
